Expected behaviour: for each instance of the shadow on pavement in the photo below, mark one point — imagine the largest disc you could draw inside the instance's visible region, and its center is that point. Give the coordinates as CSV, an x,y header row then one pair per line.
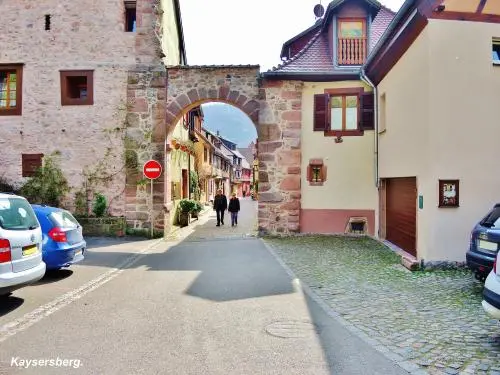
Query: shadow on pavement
x,y
346,353
52,276
8,304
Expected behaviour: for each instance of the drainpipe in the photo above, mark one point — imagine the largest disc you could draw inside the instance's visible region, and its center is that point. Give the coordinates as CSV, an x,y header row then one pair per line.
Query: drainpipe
x,y
375,114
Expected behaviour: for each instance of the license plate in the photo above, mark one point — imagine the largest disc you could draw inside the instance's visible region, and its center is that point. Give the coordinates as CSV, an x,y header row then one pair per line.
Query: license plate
x,y
487,245
29,250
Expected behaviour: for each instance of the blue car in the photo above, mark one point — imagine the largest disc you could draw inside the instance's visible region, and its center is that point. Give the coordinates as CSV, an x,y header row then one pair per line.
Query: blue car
x,y
484,244
62,238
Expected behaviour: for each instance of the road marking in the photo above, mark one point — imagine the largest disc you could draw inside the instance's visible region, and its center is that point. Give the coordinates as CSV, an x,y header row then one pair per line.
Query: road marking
x,y
29,319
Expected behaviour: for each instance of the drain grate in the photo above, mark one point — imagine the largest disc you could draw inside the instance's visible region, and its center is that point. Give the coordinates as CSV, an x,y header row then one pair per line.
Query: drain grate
x,y
292,329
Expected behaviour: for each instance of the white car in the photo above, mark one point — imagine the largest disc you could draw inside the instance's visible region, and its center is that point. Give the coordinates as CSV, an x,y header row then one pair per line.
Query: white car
x,y
491,292
20,244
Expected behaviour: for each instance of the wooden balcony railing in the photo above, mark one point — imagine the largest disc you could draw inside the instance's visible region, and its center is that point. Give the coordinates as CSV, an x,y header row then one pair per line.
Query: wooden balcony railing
x,y
351,51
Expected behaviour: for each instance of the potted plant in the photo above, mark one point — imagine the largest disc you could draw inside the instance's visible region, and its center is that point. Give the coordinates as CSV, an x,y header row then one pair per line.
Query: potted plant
x,y
185,208
196,209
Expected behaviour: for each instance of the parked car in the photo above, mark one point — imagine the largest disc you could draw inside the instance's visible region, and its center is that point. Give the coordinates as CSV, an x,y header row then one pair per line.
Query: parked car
x,y
491,292
484,241
63,242
21,261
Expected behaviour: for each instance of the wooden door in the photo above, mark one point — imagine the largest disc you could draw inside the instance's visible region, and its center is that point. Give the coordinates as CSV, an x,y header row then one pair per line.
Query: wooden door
x,y
401,213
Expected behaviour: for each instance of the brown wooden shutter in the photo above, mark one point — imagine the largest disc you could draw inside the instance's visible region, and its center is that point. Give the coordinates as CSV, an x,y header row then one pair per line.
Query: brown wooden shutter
x,y
30,163
321,112
367,111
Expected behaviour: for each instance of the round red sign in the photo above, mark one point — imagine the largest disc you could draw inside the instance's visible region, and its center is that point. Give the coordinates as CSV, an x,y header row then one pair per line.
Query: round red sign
x,y
152,169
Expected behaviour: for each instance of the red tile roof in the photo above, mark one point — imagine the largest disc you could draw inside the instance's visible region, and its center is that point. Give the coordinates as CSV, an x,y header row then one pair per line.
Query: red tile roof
x,y
315,56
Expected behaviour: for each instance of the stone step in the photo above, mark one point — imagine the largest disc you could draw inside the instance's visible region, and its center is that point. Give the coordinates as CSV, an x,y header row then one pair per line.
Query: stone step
x,y
410,263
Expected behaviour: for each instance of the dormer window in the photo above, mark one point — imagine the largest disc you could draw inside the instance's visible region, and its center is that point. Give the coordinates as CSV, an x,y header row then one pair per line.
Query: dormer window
x,y
352,41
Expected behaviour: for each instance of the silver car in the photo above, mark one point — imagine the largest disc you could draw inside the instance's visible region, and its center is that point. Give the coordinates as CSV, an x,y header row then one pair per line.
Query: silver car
x,y
20,244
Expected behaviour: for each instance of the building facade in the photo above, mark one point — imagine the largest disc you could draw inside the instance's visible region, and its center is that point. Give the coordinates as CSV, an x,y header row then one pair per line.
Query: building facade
x,y
75,84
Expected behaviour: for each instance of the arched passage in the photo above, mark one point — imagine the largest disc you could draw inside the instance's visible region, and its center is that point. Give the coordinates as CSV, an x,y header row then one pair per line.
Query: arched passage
x,y
275,109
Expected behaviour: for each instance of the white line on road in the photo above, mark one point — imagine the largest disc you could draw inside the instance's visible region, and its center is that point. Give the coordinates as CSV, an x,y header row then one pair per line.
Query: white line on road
x,y
27,320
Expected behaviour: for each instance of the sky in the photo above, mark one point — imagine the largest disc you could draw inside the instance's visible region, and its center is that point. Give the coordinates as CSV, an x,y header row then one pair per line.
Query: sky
x,y
246,32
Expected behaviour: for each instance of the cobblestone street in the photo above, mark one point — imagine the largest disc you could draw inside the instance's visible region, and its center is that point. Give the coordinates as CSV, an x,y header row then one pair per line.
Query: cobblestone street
x,y
432,321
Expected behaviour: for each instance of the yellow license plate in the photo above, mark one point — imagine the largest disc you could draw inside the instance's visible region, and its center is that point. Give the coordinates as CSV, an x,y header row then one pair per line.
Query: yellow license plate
x,y
29,250
487,245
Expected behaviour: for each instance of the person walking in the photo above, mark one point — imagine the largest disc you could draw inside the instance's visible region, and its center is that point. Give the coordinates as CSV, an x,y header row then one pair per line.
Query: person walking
x,y
234,208
220,205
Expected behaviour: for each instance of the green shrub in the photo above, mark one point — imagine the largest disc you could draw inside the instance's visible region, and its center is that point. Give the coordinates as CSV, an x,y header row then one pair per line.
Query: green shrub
x,y
100,205
187,205
197,206
48,185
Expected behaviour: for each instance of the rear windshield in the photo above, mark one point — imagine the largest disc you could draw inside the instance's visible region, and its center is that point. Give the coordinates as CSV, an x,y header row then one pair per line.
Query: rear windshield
x,y
17,214
63,219
491,220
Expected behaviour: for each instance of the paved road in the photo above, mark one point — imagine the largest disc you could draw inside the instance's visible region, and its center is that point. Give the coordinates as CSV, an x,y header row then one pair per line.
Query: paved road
x,y
215,303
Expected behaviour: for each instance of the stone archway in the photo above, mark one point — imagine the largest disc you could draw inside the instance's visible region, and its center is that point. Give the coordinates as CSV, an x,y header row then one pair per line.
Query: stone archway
x,y
275,109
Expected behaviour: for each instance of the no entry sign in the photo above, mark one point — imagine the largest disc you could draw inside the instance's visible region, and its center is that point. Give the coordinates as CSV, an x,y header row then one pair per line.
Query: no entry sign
x,y
152,169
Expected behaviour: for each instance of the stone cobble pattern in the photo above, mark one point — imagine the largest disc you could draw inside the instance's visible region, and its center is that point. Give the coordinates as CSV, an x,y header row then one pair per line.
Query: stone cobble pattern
x,y
431,319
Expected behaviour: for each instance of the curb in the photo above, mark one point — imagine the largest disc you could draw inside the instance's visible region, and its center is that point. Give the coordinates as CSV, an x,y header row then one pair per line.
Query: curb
x,y
408,366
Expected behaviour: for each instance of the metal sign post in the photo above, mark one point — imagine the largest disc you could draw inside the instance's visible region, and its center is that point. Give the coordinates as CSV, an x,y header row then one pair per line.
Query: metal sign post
x,y
152,170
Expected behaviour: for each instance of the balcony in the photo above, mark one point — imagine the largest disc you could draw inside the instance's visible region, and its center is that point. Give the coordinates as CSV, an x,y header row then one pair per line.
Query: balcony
x,y
351,51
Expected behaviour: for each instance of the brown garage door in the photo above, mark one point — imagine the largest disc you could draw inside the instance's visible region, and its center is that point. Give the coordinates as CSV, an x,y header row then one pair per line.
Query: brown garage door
x,y
401,211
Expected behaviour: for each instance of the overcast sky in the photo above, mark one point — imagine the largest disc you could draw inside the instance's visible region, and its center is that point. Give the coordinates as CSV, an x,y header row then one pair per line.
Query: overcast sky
x,y
246,32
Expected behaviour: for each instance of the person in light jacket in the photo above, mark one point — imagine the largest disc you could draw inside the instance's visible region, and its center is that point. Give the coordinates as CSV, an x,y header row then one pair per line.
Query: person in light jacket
x,y
220,205
234,208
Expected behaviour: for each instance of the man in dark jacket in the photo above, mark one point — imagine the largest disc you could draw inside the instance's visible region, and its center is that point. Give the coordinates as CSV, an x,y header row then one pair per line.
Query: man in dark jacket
x,y
220,205
234,208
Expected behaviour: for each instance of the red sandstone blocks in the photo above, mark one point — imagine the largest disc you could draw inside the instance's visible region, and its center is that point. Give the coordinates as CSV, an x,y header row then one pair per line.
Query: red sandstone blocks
x,y
291,115
290,183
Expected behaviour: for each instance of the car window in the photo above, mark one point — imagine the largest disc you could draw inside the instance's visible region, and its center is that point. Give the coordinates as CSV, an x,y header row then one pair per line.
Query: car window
x,y
492,219
17,214
63,219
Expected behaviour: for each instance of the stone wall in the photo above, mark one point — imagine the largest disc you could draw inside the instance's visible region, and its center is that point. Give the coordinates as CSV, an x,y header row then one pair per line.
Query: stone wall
x,y
275,108
77,40
279,132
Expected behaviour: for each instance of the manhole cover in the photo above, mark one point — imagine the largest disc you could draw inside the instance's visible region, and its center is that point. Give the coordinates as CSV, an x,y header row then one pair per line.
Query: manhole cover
x,y
292,329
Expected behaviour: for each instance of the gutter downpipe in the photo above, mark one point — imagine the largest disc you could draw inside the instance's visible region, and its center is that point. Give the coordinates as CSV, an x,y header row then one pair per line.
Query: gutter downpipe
x,y
375,114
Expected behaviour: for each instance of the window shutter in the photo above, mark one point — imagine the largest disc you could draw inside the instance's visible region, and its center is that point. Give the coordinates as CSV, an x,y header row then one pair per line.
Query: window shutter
x,y
30,163
367,111
321,112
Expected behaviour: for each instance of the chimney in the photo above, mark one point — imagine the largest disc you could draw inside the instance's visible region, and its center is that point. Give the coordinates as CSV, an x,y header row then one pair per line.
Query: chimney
x,y
217,132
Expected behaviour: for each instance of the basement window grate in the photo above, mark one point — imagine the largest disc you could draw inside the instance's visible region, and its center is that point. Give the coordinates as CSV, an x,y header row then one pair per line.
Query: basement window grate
x,y
357,225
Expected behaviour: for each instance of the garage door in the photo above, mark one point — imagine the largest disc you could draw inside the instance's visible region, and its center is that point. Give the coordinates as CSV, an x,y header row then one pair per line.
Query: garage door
x,y
401,213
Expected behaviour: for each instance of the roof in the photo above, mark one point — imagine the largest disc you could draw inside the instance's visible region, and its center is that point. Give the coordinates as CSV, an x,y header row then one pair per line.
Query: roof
x,y
317,24
214,66
237,153
245,164
247,153
315,58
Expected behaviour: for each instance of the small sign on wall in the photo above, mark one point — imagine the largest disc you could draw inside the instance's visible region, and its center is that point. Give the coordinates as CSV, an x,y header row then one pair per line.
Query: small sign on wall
x,y
420,202
448,193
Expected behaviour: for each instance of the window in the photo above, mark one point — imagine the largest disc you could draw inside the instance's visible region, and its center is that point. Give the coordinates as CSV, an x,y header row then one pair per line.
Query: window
x,y
495,50
340,112
316,172
351,43
30,163
77,87
344,112
130,16
11,90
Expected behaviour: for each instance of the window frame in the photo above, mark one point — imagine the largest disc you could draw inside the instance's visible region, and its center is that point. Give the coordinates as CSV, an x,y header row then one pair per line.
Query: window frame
x,y
495,42
314,164
18,110
130,5
353,91
365,37
65,99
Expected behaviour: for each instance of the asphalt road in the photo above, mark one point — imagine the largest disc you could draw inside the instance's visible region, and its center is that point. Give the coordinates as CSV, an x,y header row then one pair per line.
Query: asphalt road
x,y
211,304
